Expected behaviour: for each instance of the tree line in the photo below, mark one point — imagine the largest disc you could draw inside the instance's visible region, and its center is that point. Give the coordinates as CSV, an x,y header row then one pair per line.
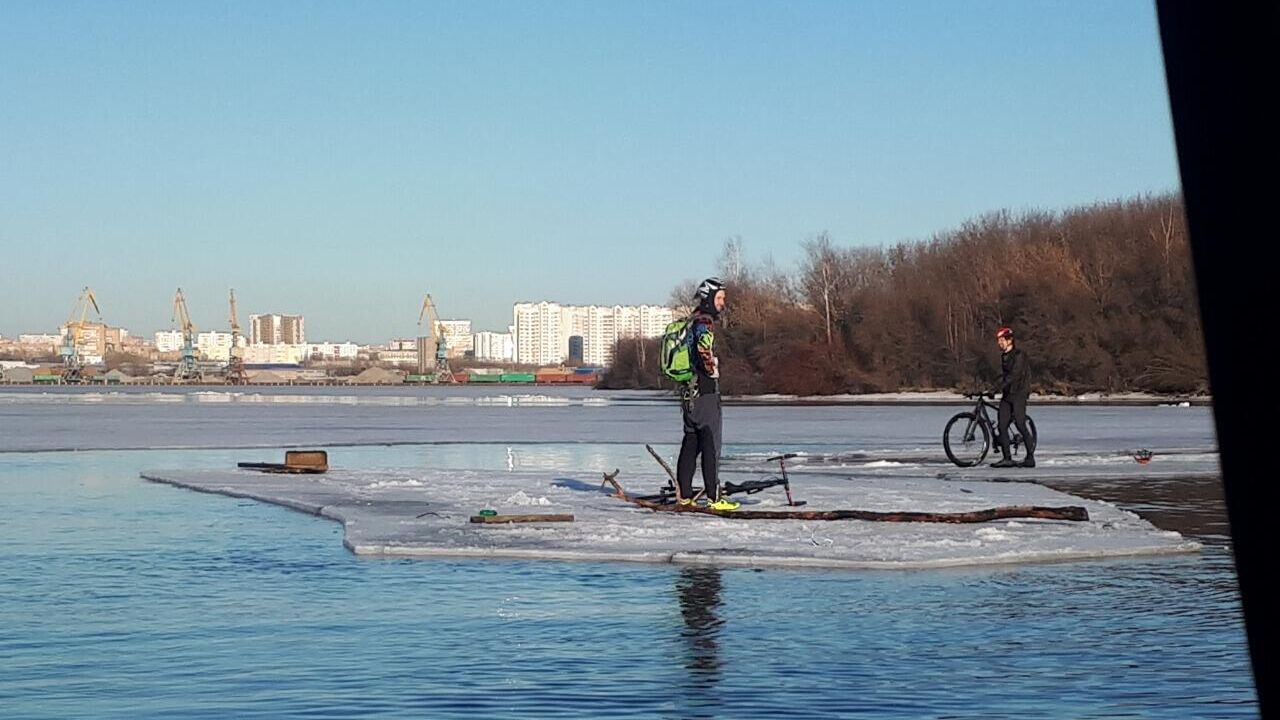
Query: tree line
x,y
1101,297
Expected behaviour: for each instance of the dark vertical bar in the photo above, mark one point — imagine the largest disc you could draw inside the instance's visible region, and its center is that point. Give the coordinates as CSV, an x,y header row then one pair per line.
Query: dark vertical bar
x,y
1220,65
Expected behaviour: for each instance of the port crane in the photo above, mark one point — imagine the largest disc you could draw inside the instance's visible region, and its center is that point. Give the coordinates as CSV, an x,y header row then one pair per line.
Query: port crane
x,y
71,367
187,369
442,373
236,374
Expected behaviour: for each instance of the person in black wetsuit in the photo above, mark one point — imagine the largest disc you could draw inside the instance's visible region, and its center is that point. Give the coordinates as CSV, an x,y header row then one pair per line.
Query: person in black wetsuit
x,y
700,401
1015,390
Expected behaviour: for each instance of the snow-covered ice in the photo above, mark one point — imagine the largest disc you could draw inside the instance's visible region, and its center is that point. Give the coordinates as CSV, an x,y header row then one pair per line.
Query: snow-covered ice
x,y
416,512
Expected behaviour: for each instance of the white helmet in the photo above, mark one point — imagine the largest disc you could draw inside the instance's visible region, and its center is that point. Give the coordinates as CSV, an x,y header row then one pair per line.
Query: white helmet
x,y
708,288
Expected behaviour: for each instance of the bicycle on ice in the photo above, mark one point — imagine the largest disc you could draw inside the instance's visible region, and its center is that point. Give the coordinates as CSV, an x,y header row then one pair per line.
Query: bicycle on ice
x,y
968,436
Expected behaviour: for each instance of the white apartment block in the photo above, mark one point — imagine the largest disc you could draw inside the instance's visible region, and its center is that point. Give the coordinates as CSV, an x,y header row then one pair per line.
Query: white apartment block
x,y
275,354
538,337
213,345
41,339
457,336
96,339
277,330
542,330
494,347
333,351
642,320
169,341
399,357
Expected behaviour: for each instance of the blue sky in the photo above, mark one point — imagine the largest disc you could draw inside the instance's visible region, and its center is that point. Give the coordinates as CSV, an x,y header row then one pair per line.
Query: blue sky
x,y
342,159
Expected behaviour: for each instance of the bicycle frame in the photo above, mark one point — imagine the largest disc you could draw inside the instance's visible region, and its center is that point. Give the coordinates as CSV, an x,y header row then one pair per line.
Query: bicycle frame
x,y
980,415
667,493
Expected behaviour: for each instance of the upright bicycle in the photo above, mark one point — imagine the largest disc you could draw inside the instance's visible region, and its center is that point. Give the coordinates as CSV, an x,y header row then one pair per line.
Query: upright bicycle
x,y
968,436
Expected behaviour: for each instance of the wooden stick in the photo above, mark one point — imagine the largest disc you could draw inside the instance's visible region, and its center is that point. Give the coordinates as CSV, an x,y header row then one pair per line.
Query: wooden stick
x,y
492,519
674,482
1066,512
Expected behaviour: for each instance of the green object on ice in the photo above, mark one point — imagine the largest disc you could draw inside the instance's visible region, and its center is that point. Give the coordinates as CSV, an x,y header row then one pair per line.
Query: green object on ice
x,y
488,513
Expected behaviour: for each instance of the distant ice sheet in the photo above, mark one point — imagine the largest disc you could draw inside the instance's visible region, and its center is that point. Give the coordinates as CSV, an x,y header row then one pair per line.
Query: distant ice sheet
x,y
845,435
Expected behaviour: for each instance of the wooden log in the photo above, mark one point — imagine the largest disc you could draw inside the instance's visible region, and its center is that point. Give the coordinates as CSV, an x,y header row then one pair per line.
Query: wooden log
x,y
1066,512
279,468
492,519
295,461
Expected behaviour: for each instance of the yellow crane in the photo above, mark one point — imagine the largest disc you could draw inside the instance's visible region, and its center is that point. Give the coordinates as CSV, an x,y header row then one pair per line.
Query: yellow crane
x,y
435,332
187,369
71,367
236,374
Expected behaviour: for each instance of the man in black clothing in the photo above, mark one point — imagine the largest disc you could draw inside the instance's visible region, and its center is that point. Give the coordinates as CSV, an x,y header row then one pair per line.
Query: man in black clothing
x,y
1015,389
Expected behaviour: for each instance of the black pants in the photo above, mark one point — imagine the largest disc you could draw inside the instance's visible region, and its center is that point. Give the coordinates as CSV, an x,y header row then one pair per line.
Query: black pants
x,y
701,438
1015,409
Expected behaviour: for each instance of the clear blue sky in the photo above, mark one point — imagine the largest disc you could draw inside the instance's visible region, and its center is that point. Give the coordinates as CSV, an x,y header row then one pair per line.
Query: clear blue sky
x,y
342,159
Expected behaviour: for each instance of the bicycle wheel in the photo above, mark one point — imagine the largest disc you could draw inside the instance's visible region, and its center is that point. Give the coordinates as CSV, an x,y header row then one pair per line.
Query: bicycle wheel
x,y
966,440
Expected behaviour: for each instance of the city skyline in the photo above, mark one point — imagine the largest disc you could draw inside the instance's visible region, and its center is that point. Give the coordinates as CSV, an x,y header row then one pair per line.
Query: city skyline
x,y
339,161
412,330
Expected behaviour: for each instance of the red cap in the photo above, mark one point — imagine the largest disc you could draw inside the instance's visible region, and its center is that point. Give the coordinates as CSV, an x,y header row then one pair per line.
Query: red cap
x,y
1004,332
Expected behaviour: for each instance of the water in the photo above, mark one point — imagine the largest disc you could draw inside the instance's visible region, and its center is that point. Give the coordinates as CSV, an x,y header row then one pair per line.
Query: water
x,y
122,598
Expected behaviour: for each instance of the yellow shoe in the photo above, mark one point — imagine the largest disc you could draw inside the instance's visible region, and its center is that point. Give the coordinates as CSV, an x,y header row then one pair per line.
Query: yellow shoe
x,y
724,504
684,502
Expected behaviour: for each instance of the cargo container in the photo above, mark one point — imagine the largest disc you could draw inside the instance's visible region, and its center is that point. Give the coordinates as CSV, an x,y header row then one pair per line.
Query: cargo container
x,y
552,376
517,377
473,378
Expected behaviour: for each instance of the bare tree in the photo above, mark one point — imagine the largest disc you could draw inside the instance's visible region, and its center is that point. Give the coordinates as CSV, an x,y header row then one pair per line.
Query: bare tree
x,y
1103,296
821,278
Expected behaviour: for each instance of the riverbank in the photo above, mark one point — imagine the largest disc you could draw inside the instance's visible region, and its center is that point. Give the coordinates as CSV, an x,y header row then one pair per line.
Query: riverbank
x,y
411,392
948,397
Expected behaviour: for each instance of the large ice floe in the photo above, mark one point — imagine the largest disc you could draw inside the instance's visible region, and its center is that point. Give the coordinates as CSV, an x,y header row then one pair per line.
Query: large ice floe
x,y
427,513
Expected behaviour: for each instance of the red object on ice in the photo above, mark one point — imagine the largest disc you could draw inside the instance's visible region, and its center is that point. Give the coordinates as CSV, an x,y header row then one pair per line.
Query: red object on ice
x,y
1143,456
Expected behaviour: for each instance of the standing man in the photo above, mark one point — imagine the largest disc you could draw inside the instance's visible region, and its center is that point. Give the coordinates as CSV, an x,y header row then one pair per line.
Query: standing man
x,y
1015,390
700,401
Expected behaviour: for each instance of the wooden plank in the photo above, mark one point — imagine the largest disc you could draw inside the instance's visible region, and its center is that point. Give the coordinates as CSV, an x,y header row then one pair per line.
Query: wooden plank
x,y
318,459
498,519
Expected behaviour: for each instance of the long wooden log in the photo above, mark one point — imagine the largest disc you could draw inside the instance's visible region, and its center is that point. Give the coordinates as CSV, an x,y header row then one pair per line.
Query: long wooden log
x,y
281,468
498,519
1066,512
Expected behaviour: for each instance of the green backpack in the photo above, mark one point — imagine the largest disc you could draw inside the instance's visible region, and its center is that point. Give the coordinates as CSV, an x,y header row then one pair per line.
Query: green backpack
x,y
677,350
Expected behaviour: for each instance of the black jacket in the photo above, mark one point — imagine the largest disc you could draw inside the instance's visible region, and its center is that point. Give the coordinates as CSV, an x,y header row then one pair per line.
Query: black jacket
x,y
1016,380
